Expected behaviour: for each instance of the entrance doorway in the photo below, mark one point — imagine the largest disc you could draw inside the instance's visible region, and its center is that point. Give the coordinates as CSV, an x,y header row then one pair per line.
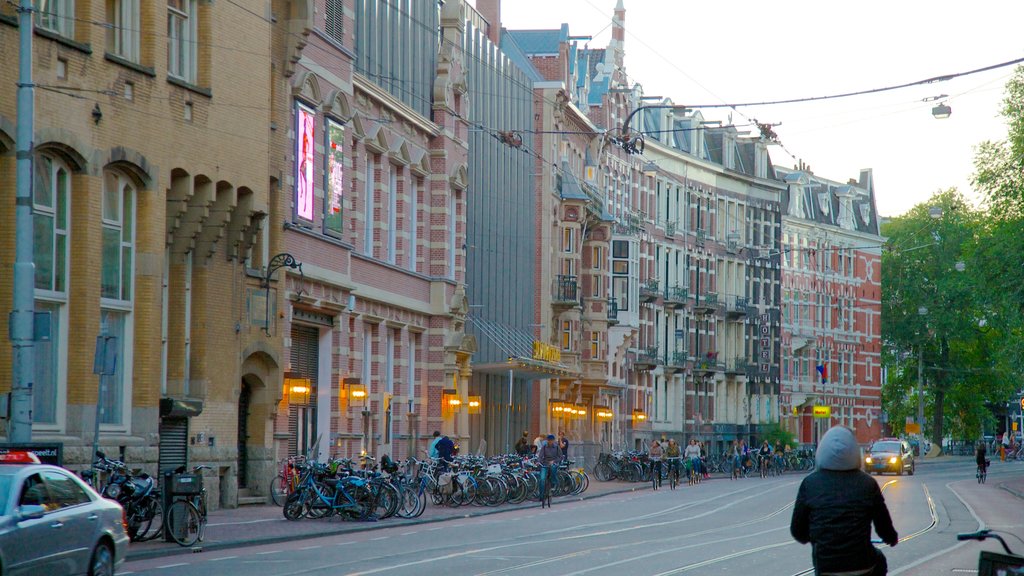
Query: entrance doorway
x,y
244,398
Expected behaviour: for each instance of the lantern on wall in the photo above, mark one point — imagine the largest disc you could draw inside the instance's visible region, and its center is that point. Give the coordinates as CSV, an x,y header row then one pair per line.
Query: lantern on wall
x,y
450,401
639,416
475,404
297,390
603,413
357,395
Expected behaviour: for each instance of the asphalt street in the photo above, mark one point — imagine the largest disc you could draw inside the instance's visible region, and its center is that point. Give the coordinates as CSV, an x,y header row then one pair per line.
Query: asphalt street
x,y
717,527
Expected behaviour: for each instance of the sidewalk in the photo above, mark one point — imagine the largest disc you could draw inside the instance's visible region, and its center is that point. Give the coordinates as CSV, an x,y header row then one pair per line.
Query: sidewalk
x,y
251,525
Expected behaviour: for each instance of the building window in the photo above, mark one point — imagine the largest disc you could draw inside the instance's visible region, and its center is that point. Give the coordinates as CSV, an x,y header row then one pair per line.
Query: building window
x,y
123,30
118,237
393,215
597,257
181,39
414,224
597,286
452,220
114,392
369,201
334,20
568,240
335,178
414,342
56,16
595,345
567,335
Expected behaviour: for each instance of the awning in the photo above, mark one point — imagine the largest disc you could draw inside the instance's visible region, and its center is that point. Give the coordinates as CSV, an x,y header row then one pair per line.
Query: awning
x,y
518,348
527,368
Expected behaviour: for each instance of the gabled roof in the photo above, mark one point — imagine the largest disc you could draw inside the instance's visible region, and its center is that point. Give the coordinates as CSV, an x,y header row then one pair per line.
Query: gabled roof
x,y
850,206
511,49
536,42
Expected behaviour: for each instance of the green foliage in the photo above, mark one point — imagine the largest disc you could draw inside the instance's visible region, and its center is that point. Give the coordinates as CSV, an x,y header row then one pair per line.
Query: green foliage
x,y
776,434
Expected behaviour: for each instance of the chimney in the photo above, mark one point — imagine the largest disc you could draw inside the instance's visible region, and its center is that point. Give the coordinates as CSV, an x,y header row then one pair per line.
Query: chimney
x,y
491,11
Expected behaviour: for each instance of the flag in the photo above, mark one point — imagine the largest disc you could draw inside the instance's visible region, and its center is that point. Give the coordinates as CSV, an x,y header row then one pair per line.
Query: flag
x,y
823,370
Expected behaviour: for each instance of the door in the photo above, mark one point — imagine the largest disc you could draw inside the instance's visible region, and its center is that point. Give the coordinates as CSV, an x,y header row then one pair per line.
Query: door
x,y
73,522
244,396
40,557
305,359
173,444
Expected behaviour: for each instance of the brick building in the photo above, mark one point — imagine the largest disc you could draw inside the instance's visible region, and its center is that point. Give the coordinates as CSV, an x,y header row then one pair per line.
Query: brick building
x,y
369,110
831,312
152,182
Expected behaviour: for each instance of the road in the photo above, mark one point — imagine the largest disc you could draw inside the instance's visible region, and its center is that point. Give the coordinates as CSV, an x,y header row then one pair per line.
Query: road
x,y
718,527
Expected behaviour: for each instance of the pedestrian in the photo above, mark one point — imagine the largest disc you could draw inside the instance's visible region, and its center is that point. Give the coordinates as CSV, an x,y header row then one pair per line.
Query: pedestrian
x,y
432,452
523,444
1005,446
563,445
654,454
835,508
445,451
538,442
703,459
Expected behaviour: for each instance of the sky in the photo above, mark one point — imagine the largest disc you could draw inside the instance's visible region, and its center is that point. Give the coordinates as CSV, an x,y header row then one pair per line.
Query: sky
x,y
730,51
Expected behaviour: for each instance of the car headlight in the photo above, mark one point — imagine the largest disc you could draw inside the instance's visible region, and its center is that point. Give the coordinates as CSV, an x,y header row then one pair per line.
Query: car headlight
x,y
868,459
892,460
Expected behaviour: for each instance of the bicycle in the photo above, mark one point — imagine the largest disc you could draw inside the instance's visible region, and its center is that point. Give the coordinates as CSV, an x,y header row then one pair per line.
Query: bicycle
x,y
993,563
982,473
673,471
186,518
547,476
287,480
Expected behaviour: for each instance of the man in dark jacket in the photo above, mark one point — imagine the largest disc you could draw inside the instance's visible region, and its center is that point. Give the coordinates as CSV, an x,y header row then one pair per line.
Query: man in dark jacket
x,y
445,450
835,508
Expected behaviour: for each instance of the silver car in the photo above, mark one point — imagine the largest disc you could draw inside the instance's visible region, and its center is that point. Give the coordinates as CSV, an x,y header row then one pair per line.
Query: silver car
x,y
52,523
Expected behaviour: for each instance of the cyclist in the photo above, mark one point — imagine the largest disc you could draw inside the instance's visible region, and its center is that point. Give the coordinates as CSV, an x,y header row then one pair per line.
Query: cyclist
x,y
835,508
548,456
980,455
764,457
654,453
672,453
737,458
692,453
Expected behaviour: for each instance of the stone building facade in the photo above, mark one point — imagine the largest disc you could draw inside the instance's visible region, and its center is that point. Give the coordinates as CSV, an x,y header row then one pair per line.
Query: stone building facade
x,y
150,195
831,305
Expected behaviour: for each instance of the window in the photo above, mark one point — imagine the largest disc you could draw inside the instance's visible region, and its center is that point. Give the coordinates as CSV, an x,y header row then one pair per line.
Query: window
x,y
392,215
335,175
368,205
305,142
414,342
334,19
123,30
620,249
451,236
118,237
56,16
597,257
64,491
596,286
567,335
51,193
116,290
181,39
414,225
595,345
620,292
568,240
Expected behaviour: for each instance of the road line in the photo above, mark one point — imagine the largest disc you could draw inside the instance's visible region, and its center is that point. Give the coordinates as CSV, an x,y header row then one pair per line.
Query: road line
x,y
173,565
344,543
267,552
223,558
310,547
407,533
381,538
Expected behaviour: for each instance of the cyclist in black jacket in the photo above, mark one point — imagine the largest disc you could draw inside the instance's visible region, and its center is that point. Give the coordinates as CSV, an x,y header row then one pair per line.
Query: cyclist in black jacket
x,y
835,508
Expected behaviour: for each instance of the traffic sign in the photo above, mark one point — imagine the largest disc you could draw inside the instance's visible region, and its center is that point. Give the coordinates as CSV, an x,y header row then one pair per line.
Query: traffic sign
x,y
1022,403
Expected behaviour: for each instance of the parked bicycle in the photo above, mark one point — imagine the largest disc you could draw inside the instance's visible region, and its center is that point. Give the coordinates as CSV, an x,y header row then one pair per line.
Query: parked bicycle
x,y
185,518
136,493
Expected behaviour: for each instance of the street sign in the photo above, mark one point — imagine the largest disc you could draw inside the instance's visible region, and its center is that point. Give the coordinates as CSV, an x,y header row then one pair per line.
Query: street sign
x,y
822,411
1014,426
1022,403
913,428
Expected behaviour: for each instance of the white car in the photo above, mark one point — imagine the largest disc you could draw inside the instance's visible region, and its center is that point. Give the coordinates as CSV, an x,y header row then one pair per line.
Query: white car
x,y
52,523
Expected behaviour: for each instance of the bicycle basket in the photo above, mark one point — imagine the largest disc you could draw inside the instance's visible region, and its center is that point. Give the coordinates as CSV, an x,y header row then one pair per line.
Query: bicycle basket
x,y
186,484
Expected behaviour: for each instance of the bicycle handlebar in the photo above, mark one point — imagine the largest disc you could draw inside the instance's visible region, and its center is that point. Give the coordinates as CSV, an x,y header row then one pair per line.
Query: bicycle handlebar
x,y
982,535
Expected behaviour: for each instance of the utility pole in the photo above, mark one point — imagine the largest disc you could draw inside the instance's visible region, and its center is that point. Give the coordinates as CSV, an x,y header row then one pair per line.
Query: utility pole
x,y
22,320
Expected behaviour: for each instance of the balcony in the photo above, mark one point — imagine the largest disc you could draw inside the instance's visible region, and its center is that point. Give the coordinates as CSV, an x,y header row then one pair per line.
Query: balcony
x,y
737,307
675,297
732,243
647,358
613,312
649,291
670,228
708,365
675,361
566,292
738,366
702,236
707,303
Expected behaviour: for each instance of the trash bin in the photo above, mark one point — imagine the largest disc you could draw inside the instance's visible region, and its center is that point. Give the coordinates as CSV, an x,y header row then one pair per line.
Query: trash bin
x,y
176,487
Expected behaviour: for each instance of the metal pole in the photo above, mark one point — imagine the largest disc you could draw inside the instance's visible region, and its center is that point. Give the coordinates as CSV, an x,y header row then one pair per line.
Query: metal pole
x,y
920,389
508,416
22,319
99,417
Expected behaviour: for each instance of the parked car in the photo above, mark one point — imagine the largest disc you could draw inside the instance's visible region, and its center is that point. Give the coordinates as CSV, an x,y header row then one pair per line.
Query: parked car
x,y
54,524
889,455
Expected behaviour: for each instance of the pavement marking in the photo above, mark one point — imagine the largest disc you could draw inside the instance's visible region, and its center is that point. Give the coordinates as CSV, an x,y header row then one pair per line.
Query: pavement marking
x,y
407,533
241,523
173,565
381,538
344,543
223,558
267,552
310,547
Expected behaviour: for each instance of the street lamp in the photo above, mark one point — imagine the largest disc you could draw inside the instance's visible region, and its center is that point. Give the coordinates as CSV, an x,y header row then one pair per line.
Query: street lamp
x,y
942,111
636,145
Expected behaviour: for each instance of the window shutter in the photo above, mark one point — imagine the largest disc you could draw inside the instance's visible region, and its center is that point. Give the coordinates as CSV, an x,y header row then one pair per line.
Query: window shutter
x,y
334,18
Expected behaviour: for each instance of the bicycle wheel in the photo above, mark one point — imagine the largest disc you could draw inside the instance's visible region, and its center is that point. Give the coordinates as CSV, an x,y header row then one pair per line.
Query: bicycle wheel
x,y
183,522
603,471
295,505
154,526
278,490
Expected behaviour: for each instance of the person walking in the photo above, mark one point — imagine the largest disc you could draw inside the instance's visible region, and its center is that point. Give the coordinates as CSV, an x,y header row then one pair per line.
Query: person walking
x,y
654,454
522,447
703,459
835,508
563,445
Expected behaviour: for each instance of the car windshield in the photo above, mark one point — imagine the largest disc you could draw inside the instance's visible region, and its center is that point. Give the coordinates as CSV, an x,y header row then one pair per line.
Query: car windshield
x,y
886,447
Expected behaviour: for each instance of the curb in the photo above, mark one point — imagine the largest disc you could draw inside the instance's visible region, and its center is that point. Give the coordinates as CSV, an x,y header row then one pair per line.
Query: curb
x,y
1016,493
228,544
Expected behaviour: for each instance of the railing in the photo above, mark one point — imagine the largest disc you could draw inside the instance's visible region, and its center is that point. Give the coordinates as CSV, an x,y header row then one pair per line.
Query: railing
x,y
702,235
706,303
676,296
613,311
709,363
676,359
670,228
732,246
647,358
737,305
738,365
566,290
649,291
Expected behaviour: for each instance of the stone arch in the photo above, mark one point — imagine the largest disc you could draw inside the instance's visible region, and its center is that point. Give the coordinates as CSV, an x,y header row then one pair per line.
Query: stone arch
x,y
7,134
132,163
307,86
258,383
459,178
66,145
337,105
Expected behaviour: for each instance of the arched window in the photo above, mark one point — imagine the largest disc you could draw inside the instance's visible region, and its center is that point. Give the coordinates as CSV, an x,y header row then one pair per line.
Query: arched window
x,y
117,289
51,194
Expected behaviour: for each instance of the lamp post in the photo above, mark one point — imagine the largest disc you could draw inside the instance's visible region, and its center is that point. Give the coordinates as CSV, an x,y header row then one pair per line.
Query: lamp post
x,y
631,145
922,311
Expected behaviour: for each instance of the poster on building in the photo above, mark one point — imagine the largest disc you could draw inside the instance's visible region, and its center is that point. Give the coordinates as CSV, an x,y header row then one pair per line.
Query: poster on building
x,y
305,134
335,176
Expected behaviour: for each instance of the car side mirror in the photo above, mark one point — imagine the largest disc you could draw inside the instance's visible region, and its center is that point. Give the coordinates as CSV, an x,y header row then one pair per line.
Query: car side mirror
x,y
30,512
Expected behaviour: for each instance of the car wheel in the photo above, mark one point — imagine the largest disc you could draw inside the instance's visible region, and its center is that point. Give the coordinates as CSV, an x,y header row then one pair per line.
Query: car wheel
x,y
912,466
102,562
899,470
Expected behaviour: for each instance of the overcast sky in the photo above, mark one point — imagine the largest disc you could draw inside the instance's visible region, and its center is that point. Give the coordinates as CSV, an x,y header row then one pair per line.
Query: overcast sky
x,y
740,51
